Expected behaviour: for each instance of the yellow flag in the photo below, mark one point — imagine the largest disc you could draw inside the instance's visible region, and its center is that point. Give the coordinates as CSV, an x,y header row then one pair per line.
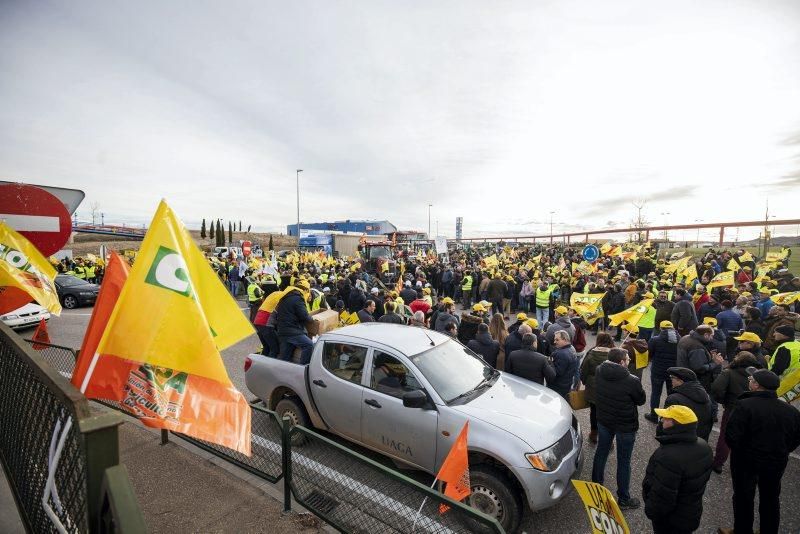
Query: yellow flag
x,y
605,248
679,265
587,305
25,274
724,278
746,257
733,265
603,511
784,299
775,256
491,261
789,389
173,311
690,273
632,314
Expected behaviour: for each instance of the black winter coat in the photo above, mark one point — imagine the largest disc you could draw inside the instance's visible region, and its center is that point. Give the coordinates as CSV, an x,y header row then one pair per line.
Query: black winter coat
x,y
763,429
617,394
663,311
676,478
514,342
565,363
530,365
663,350
733,381
487,347
468,327
694,396
291,315
684,316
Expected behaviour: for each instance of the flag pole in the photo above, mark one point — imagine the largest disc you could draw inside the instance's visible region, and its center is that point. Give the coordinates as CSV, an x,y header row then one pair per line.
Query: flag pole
x,y
414,525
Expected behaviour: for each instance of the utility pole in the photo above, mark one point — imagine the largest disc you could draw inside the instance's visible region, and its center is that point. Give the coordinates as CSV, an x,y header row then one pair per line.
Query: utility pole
x,y
766,229
551,227
298,206
429,220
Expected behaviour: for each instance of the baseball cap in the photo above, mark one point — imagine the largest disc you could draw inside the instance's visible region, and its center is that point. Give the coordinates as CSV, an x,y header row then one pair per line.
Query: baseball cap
x,y
448,300
522,317
374,290
561,310
533,323
478,307
665,324
749,336
767,379
710,321
683,415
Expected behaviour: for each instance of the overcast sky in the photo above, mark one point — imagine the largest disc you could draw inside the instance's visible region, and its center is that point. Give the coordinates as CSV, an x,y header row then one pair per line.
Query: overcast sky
x,y
499,112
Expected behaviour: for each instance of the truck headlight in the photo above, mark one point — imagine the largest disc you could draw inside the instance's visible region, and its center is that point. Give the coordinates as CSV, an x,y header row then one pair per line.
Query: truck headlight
x,y
9,317
545,460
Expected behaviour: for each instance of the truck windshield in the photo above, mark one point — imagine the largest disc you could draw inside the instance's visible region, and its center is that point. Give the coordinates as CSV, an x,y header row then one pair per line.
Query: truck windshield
x,y
452,369
379,252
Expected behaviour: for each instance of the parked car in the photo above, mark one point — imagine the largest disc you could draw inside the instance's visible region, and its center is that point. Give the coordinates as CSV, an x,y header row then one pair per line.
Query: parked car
x,y
27,316
406,392
74,292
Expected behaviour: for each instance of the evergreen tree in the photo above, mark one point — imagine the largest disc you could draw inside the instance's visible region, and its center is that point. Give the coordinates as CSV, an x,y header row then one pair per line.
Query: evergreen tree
x,y
220,236
230,232
270,242
240,226
211,232
203,230
248,228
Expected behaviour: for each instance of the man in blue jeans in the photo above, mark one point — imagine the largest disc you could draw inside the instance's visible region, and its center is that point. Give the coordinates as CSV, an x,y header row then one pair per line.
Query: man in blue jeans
x,y
617,395
291,317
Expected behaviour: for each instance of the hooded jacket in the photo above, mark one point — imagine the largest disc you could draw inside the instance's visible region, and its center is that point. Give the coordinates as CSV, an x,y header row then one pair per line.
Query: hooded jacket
x,y
291,314
487,347
663,350
693,354
565,362
468,327
733,381
676,477
562,323
617,394
692,395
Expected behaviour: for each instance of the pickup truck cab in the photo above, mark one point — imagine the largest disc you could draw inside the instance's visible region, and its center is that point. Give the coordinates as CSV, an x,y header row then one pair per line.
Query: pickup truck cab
x,y
406,393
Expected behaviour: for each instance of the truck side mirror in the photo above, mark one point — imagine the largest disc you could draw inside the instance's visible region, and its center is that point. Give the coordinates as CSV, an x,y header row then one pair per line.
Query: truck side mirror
x,y
415,399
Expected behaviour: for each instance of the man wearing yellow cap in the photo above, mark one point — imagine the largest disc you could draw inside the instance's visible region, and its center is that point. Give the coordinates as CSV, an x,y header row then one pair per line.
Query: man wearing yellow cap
x,y
677,473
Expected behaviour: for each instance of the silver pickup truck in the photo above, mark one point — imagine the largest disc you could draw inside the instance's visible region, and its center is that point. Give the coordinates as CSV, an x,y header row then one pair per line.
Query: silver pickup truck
x,y
406,392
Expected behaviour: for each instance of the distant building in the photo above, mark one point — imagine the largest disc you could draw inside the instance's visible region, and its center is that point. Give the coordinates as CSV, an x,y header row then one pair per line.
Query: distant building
x,y
408,235
354,227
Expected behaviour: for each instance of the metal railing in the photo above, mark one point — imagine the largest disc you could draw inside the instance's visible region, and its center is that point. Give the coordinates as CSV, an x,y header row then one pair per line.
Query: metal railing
x,y
62,359
347,490
54,451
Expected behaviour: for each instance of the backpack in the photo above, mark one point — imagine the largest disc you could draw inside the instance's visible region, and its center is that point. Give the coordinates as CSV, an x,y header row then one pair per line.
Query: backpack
x,y
579,340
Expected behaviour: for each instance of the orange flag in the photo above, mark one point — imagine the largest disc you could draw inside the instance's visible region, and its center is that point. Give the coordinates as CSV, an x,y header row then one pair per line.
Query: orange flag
x,y
455,470
41,335
114,278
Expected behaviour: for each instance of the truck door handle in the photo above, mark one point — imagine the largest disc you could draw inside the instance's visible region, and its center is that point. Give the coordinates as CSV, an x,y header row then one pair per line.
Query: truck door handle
x,y
372,402
319,383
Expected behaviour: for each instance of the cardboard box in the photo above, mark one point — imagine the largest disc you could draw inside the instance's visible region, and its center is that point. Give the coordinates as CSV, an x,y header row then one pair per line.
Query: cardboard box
x,y
324,321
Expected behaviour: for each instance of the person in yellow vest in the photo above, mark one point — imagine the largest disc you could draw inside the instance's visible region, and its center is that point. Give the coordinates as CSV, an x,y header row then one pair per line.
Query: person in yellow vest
x,y
648,321
542,301
90,273
786,357
255,296
466,290
80,270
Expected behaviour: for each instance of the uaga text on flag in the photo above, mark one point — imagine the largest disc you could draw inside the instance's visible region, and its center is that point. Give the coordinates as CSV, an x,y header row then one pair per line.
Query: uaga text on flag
x,y
587,305
161,344
25,274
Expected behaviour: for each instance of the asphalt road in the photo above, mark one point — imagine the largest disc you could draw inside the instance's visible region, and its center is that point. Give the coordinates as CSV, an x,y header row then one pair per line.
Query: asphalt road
x,y
566,517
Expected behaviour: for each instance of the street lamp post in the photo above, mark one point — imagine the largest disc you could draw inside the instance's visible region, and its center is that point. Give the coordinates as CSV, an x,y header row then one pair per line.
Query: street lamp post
x,y
665,215
697,241
429,220
551,227
298,206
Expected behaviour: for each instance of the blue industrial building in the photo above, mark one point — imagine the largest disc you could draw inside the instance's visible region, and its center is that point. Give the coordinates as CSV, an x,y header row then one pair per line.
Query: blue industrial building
x,y
354,227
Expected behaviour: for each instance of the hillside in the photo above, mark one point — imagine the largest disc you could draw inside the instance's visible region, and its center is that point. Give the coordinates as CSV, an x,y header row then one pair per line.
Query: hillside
x,y
90,243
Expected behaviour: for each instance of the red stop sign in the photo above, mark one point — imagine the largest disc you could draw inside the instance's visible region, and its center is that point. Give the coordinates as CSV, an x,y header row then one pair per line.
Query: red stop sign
x,y
246,247
38,215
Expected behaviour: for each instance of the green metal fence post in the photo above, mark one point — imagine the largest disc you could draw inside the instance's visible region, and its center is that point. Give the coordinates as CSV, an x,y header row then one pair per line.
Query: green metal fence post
x,y
164,436
286,459
101,442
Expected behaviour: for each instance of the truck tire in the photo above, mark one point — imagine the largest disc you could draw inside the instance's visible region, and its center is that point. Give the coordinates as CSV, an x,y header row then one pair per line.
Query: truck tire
x,y
493,494
293,408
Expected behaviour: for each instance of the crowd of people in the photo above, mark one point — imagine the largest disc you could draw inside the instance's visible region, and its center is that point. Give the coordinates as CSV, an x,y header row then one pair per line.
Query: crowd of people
x,y
714,330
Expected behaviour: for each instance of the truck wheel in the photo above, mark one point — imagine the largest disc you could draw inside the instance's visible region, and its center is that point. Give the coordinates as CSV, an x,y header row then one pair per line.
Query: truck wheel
x,y
293,409
492,494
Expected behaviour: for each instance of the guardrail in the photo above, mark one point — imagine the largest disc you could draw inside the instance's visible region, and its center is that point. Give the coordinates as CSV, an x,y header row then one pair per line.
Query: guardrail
x,y
347,490
56,454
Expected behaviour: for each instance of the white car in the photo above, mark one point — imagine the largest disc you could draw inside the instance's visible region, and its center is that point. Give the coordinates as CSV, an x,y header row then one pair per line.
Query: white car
x,y
25,317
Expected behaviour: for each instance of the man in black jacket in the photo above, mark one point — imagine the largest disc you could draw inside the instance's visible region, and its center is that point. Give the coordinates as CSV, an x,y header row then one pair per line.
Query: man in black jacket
x,y
761,432
529,364
484,345
291,316
390,316
617,394
663,350
687,391
677,473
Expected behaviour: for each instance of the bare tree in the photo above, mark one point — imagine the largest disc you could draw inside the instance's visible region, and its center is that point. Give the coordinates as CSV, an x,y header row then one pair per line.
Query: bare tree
x,y
94,208
639,221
